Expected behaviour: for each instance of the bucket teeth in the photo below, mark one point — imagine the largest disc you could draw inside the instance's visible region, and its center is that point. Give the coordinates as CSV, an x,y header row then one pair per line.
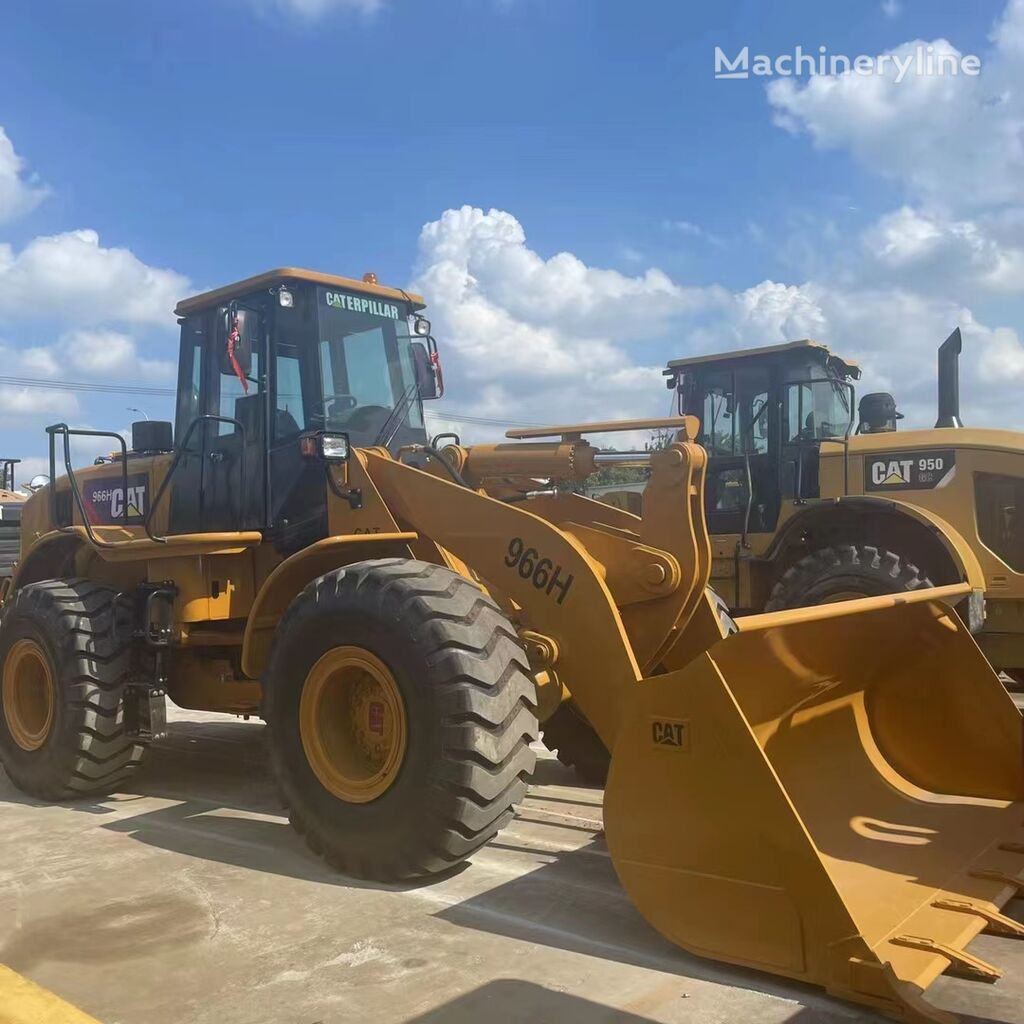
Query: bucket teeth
x,y
1012,847
961,963
995,923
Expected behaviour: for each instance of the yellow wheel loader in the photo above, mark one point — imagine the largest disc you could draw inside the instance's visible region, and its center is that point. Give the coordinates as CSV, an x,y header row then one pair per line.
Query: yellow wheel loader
x,y
832,794
813,497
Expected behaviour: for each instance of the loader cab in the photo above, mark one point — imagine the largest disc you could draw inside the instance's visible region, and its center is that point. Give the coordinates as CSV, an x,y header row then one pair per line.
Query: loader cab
x,y
763,413
269,365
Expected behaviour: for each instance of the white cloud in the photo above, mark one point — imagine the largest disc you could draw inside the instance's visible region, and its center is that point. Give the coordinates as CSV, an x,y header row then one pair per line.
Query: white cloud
x,y
691,230
892,8
1008,34
109,354
482,258
19,194
544,340
98,354
71,276
954,141
312,9
17,403
955,144
892,333
939,253
511,353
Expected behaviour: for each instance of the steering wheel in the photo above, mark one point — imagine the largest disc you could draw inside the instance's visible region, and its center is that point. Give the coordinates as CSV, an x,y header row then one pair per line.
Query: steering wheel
x,y
326,409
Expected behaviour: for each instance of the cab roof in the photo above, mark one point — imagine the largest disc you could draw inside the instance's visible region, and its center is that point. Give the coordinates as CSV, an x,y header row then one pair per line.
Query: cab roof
x,y
813,350
282,274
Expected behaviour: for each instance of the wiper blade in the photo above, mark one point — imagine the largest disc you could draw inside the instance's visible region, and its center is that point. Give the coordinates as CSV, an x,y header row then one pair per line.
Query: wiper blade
x,y
396,418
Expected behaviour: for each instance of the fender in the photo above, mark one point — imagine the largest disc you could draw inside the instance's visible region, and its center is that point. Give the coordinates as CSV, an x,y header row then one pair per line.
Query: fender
x,y
44,557
288,578
953,542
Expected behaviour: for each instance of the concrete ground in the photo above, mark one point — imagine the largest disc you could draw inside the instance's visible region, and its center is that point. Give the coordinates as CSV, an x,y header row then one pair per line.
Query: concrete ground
x,y
189,900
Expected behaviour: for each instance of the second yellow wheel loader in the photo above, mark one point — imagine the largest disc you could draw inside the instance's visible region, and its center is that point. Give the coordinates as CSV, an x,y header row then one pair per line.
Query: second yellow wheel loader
x,y
832,794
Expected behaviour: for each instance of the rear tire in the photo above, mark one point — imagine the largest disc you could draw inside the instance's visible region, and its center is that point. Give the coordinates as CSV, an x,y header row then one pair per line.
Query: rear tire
x,y
455,675
844,572
62,636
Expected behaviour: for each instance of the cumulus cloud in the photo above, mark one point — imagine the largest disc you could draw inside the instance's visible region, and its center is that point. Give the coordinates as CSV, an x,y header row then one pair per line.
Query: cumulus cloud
x,y
18,403
72,276
109,354
955,141
472,256
937,252
952,250
512,352
543,339
892,333
20,193
1008,34
97,354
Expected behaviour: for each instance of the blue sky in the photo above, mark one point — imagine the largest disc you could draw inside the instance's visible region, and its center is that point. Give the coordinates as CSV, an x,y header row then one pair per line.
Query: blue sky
x,y
202,142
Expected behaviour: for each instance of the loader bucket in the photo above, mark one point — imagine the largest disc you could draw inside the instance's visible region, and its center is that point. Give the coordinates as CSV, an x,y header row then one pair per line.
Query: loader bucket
x,y
833,794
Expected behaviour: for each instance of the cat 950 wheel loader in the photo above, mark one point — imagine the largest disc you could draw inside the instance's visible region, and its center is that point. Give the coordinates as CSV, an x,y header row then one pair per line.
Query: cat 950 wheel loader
x,y
833,794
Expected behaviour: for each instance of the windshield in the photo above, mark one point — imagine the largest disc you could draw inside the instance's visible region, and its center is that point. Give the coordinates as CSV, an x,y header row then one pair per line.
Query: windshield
x,y
366,367
817,409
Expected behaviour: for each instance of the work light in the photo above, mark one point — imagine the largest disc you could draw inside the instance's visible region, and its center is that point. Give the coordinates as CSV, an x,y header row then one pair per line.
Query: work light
x,y
324,446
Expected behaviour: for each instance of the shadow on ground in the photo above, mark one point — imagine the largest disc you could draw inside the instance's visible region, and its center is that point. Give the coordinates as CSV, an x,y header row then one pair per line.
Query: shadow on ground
x,y
510,1001
221,807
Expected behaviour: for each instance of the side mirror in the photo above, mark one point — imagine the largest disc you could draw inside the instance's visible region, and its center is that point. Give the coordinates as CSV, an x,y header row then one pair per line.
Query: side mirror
x,y
427,370
234,342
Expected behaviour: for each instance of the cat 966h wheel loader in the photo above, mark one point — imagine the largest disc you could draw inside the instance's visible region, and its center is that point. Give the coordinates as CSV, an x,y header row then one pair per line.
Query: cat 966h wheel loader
x,y
832,794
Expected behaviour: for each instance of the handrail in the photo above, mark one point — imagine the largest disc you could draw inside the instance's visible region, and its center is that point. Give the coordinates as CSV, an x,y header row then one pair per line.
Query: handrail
x,y
181,450
66,432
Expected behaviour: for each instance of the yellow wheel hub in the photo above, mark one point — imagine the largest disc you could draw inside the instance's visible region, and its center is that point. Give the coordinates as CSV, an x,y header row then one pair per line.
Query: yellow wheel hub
x,y
352,723
29,696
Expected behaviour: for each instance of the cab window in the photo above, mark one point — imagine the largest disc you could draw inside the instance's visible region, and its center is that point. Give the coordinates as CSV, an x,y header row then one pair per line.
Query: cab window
x,y
816,410
735,412
236,399
718,420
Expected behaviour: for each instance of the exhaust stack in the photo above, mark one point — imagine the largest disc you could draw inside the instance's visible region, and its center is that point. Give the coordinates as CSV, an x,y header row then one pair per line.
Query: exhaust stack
x,y
949,381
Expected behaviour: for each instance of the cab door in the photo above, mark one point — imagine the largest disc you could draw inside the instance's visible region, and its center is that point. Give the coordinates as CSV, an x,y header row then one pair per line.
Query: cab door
x,y
220,432
739,421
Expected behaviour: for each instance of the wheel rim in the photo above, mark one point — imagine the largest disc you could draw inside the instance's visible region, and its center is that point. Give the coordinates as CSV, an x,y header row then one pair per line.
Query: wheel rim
x,y
29,695
352,723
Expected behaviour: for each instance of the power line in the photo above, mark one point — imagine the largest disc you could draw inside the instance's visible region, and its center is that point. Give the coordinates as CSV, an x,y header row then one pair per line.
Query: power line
x,y
155,391
70,385
454,414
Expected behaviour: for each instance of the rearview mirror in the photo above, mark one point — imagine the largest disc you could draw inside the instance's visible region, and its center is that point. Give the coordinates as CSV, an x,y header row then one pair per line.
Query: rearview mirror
x,y
234,342
427,385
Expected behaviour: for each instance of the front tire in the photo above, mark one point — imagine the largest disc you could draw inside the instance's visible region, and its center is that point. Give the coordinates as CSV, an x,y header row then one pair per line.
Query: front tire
x,y
401,713
64,661
844,572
